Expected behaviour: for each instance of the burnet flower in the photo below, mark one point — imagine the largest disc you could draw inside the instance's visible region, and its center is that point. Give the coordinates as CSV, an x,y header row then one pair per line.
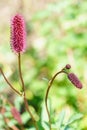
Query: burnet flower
x,y
16,114
18,45
18,34
74,80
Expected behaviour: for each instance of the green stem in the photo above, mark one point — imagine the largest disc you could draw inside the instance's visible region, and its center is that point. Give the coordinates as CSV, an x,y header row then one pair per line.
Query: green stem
x,y
47,92
6,124
9,83
24,94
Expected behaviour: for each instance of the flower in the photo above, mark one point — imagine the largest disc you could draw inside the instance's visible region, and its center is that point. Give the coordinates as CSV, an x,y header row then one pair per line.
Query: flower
x,y
16,115
74,80
68,66
18,34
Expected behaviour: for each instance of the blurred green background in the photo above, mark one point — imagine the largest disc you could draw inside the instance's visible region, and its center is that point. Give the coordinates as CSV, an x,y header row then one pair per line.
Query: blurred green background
x,y
56,35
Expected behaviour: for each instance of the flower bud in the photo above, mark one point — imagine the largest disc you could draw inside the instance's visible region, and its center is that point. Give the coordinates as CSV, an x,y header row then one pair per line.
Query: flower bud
x,y
68,66
74,80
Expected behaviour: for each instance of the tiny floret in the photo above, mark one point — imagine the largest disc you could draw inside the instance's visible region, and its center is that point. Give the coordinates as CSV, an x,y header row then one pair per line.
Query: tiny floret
x,y
74,80
68,66
18,34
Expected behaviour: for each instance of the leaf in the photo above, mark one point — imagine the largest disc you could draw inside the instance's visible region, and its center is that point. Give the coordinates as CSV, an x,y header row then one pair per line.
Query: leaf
x,y
45,79
46,123
40,125
68,128
44,118
61,118
74,118
25,117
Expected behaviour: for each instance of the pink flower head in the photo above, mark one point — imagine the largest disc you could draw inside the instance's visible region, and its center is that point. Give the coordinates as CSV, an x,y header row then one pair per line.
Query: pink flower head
x,y
16,115
18,34
74,80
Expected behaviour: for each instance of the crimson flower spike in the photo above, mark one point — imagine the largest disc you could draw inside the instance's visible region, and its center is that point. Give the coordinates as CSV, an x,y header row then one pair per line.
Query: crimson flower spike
x,y
16,115
18,34
74,80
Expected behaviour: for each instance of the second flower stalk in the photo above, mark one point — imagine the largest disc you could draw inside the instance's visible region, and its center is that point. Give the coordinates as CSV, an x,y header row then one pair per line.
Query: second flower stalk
x,y
71,76
18,45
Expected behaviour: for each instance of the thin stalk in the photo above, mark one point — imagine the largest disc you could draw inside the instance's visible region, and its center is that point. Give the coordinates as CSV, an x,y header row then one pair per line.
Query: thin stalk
x,y
6,124
23,89
47,92
9,83
22,127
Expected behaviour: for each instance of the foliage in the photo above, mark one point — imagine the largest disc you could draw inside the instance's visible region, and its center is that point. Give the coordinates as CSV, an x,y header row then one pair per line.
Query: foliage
x,y
56,36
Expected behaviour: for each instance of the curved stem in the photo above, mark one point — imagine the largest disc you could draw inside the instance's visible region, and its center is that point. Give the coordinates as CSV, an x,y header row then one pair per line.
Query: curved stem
x,y
23,89
6,124
9,83
47,92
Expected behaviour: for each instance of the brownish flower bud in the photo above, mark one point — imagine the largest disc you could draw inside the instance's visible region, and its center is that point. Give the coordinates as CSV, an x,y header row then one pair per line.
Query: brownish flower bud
x,y
74,79
68,66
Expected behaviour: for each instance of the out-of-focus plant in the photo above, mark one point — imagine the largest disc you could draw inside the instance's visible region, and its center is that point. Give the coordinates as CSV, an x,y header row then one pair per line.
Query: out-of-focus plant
x,y
71,76
61,38
18,45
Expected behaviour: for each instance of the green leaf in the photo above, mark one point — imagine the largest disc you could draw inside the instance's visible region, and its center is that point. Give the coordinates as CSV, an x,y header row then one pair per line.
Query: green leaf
x,y
61,118
40,125
74,118
25,117
68,128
